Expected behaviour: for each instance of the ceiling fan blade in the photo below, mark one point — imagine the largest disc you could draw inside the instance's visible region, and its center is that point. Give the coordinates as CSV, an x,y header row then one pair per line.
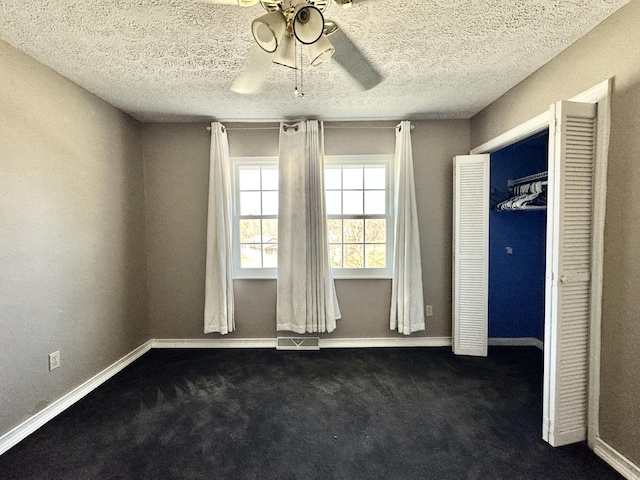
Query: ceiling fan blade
x,y
356,64
255,72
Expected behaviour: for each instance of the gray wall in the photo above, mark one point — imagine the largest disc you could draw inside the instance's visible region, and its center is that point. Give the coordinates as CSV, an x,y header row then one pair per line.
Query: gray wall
x,y
72,210
611,49
72,262
176,181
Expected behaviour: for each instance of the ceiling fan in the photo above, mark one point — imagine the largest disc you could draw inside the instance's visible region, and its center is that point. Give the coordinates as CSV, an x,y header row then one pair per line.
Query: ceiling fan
x,y
290,26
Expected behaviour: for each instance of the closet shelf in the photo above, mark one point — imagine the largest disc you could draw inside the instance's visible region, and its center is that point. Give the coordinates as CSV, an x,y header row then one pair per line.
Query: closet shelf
x,y
528,178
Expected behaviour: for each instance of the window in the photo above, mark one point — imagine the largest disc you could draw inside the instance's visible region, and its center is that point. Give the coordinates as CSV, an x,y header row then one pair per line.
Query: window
x,y
359,210
255,216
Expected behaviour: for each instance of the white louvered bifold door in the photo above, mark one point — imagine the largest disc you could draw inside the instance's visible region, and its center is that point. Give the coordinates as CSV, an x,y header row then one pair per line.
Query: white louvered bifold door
x,y
568,278
470,254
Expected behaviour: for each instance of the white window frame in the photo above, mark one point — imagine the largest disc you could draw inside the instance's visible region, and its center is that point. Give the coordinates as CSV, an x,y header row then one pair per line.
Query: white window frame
x,y
387,161
330,160
238,271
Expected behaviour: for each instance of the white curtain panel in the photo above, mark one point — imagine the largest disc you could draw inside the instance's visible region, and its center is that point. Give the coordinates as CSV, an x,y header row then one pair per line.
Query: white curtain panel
x,y
407,298
306,296
218,300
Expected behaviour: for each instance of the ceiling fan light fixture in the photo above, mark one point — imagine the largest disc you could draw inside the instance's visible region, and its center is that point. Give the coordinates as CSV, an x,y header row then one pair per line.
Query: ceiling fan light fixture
x,y
286,52
320,51
308,23
268,29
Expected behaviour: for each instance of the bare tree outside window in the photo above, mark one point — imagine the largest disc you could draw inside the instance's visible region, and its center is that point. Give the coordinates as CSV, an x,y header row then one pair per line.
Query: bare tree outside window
x,y
258,223
357,210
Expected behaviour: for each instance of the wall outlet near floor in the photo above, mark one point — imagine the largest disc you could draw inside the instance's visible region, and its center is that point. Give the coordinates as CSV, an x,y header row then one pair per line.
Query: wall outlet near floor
x,y
428,310
54,360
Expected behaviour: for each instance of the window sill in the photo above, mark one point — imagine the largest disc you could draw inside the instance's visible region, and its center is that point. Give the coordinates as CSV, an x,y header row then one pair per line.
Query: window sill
x,y
362,277
341,277
255,277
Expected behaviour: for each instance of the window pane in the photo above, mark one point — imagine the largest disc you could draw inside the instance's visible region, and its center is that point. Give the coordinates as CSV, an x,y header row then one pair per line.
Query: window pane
x,y
335,251
374,202
270,230
333,178
354,191
249,231
270,203
255,208
353,231
249,178
335,230
250,255
249,203
352,178
270,255
375,231
375,178
353,256
376,255
352,203
334,205
269,178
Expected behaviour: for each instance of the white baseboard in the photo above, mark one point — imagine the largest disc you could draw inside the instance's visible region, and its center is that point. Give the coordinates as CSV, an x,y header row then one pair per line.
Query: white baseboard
x,y
516,342
323,342
385,342
26,428
214,343
619,462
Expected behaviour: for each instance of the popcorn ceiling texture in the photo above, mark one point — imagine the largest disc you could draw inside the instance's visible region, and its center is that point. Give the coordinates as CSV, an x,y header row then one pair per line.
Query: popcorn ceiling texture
x,y
175,60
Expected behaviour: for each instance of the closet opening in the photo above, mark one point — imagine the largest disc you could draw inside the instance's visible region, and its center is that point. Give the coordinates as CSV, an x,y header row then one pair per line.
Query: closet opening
x,y
576,204
517,242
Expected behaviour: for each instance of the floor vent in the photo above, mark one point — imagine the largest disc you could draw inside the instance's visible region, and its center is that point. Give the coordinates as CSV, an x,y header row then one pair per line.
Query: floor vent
x,y
298,343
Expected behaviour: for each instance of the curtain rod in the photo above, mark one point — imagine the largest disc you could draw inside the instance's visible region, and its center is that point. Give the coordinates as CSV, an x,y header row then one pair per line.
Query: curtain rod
x,y
326,126
248,128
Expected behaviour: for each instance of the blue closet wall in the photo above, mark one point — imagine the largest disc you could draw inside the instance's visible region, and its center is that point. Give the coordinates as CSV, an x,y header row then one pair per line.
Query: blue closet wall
x,y
516,246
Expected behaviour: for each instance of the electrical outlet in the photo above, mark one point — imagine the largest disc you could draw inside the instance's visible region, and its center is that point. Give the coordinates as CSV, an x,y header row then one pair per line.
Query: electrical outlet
x,y
428,310
54,360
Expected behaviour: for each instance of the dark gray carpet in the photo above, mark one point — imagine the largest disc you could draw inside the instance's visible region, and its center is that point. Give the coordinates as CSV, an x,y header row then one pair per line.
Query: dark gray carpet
x,y
334,414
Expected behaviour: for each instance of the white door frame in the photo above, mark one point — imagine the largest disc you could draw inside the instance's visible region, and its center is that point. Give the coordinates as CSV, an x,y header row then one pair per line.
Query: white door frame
x,y
601,95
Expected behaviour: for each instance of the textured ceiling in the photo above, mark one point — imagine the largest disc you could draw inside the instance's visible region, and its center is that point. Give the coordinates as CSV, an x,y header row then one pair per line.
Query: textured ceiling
x,y
175,60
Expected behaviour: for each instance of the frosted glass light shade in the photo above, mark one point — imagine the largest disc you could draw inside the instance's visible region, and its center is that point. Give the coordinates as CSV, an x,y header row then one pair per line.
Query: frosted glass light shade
x,y
320,51
286,52
268,29
308,23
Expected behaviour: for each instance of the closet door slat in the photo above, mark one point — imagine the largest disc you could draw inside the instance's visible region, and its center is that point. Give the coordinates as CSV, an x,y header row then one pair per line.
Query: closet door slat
x,y
569,247
470,254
